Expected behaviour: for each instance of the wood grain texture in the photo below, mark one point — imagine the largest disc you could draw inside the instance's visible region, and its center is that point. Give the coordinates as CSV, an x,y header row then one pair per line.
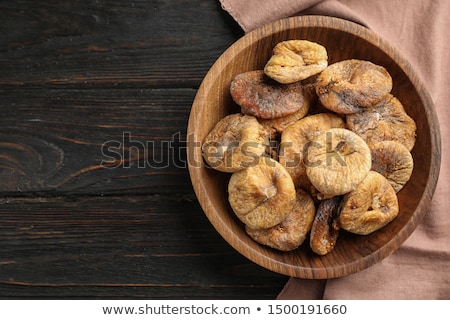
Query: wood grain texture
x,y
95,140
113,247
343,40
95,196
111,43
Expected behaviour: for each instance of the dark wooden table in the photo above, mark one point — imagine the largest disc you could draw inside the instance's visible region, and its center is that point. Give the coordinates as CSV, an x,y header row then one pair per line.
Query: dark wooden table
x,y
95,195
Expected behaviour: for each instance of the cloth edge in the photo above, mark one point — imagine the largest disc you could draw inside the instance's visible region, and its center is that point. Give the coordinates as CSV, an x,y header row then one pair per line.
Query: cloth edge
x,y
304,289
225,6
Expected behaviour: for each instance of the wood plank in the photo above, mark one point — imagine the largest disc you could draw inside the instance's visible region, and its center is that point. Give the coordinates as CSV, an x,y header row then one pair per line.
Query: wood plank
x,y
138,247
114,43
94,141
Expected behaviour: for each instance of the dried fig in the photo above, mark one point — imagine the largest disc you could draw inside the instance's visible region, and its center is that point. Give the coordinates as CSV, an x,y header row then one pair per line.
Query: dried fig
x,y
324,230
297,137
235,143
293,230
387,120
262,195
295,60
337,161
371,206
393,161
262,97
350,86
278,125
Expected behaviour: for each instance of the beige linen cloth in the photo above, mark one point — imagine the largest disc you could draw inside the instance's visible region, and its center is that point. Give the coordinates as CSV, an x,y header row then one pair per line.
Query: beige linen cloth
x,y
420,29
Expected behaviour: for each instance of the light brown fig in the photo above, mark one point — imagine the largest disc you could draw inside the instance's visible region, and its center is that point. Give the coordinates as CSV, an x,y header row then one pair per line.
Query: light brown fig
x,y
293,230
349,86
324,230
393,161
371,206
262,195
295,60
262,97
235,143
386,120
337,161
296,138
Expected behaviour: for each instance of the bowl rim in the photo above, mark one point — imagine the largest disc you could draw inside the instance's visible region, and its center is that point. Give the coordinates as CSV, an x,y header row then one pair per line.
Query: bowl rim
x,y
202,194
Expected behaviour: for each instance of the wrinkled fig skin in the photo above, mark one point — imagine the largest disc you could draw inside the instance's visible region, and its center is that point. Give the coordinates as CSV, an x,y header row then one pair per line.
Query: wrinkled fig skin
x,y
371,206
295,139
349,86
393,161
262,195
387,120
324,230
262,97
296,60
278,125
337,161
235,143
292,231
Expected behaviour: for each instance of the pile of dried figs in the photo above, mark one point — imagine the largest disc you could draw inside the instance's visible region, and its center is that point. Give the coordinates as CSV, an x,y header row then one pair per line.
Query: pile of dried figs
x,y
315,149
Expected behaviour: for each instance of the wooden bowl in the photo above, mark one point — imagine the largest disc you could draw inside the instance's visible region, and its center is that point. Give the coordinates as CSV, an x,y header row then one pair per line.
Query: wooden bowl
x,y
343,40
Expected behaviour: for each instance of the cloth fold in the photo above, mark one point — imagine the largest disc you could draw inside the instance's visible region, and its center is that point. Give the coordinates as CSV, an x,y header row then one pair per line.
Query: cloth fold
x,y
252,14
420,268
